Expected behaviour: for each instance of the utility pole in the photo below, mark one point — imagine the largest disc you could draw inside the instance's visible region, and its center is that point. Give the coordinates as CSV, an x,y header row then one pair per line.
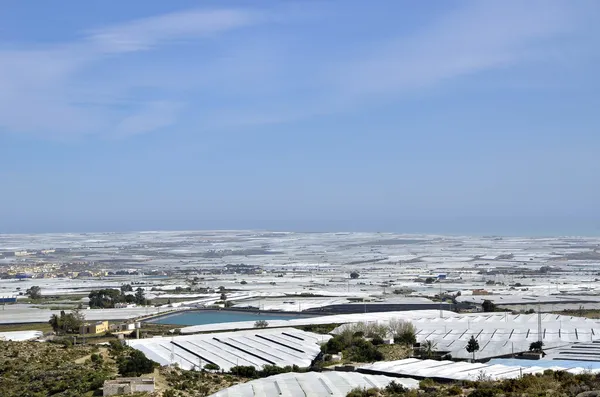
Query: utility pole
x,y
441,311
172,357
539,323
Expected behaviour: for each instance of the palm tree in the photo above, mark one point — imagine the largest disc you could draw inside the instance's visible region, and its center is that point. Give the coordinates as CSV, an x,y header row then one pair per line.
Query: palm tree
x,y
428,348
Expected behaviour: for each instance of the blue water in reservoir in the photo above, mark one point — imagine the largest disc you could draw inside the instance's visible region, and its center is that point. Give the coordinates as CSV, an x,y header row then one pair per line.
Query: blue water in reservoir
x,y
201,317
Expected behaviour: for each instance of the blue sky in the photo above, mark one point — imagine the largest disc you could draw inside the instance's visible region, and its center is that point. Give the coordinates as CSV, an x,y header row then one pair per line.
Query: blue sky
x,y
408,116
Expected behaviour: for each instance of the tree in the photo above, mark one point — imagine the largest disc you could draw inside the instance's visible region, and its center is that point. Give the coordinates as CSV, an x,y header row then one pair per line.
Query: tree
x,y
354,275
472,346
363,351
126,288
105,298
428,348
243,282
34,292
406,338
67,322
223,296
488,306
403,332
536,346
395,388
261,324
76,319
55,323
430,280
333,346
72,322
140,298
135,364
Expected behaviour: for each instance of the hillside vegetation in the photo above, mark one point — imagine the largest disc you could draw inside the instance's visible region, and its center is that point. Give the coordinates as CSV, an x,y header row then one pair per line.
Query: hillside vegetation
x,y
33,369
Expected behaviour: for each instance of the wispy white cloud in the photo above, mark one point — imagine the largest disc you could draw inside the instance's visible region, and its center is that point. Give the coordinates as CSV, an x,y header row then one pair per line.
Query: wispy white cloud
x,y
149,117
44,91
146,33
258,78
474,38
480,37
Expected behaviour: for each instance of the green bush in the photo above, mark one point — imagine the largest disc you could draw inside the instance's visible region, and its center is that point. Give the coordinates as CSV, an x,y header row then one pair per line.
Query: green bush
x,y
245,371
480,392
377,340
44,369
212,367
362,392
363,351
426,384
135,364
395,388
333,345
407,338
96,358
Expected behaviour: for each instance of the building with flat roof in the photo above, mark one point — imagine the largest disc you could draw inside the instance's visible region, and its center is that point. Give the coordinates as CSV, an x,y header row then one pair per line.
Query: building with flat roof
x,y
95,328
121,386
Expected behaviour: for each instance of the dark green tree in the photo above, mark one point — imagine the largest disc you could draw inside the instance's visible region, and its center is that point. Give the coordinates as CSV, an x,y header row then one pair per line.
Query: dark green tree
x,y
472,346
536,346
34,292
488,306
55,322
140,297
105,298
67,322
428,348
135,364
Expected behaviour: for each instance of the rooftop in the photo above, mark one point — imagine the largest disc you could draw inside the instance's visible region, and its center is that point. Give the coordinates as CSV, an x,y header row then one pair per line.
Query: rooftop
x,y
313,384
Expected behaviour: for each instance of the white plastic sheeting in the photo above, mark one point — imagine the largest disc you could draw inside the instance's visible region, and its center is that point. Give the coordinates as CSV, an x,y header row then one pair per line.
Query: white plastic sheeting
x,y
17,314
504,334
501,334
451,370
257,348
313,384
577,351
19,336
334,319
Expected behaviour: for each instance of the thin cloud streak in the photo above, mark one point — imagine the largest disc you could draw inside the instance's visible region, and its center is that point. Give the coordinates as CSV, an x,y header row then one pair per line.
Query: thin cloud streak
x,y
150,117
40,90
257,77
481,37
147,33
